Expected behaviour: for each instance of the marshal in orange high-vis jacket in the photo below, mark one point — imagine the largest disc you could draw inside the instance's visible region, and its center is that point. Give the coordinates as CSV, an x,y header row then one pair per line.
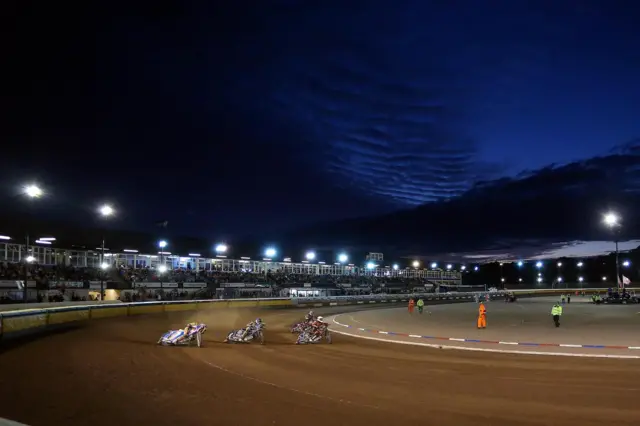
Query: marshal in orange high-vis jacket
x,y
411,304
482,316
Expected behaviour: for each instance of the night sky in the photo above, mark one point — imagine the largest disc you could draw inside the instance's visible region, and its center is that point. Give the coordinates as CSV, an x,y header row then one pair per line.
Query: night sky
x,y
229,118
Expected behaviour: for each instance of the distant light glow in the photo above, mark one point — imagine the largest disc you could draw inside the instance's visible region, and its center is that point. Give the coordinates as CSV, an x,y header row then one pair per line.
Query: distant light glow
x,y
611,219
502,279
33,191
449,266
310,255
462,268
194,254
626,263
221,248
343,258
4,237
580,264
559,264
162,269
539,279
395,266
371,265
476,268
162,244
105,266
520,263
434,265
30,259
538,265
519,279
130,251
106,210
604,278
580,279
270,252
559,279
415,263
43,242
47,239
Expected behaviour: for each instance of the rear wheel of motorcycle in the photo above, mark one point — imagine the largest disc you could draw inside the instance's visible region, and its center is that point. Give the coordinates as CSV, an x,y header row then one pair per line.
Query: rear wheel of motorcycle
x,y
328,337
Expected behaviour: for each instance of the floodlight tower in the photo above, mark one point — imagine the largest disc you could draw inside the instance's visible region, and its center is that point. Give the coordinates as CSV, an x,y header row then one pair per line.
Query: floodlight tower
x,y
105,212
612,221
32,192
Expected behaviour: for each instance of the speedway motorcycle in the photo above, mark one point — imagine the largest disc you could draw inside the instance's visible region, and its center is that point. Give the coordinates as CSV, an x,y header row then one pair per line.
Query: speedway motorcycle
x,y
308,337
253,333
193,336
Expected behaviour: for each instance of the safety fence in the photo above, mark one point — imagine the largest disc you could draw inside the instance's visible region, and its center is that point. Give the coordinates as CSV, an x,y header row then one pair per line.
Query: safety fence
x,y
24,321
435,297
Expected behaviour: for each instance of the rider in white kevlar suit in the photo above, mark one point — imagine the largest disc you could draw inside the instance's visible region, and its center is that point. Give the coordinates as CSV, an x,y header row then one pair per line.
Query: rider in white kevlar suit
x,y
249,326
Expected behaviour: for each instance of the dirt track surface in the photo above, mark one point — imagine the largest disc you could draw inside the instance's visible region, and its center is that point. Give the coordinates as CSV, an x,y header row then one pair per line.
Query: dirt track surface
x,y
111,372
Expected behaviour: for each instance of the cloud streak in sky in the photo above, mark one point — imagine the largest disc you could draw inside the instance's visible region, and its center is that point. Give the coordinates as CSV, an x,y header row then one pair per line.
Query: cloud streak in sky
x,y
555,211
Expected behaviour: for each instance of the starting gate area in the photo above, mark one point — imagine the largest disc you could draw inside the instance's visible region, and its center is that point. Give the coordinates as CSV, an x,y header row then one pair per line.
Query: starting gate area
x,y
15,253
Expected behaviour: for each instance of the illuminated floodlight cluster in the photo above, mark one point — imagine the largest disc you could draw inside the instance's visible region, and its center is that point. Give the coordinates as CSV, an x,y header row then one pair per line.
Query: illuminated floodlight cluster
x,y
611,219
270,252
106,210
33,191
343,258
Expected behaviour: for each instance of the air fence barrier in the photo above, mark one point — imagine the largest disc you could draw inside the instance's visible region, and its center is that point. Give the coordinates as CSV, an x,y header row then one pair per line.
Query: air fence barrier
x,y
30,319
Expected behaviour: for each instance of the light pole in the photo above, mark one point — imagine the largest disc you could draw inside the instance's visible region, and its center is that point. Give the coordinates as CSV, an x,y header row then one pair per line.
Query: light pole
x,y
106,211
612,220
162,268
32,192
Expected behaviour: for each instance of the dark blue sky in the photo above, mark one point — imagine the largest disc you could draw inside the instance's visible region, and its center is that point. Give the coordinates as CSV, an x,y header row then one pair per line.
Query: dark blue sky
x,y
234,117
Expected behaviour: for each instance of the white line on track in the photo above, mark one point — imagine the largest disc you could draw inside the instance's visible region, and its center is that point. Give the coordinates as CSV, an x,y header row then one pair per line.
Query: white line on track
x,y
275,385
472,349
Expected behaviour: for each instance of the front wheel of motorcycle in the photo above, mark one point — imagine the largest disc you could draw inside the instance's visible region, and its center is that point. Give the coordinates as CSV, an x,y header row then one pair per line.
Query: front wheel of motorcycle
x,y
199,339
328,337
260,338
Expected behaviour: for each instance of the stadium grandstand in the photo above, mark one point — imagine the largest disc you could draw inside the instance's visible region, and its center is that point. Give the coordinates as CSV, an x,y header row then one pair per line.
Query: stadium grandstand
x,y
78,274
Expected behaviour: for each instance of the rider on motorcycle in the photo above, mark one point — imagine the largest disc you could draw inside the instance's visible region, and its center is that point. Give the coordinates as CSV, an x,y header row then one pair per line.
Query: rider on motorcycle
x,y
309,317
318,327
250,326
186,331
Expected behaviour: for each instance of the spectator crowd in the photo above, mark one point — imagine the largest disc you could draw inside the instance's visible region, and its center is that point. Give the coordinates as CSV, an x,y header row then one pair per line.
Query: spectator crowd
x,y
59,276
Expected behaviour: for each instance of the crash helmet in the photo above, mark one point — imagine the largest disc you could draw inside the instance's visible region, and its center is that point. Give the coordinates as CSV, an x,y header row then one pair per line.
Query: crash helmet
x,y
258,321
321,319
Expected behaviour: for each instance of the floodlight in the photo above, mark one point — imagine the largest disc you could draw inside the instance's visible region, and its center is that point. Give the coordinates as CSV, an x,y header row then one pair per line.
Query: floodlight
x,y
33,191
106,210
